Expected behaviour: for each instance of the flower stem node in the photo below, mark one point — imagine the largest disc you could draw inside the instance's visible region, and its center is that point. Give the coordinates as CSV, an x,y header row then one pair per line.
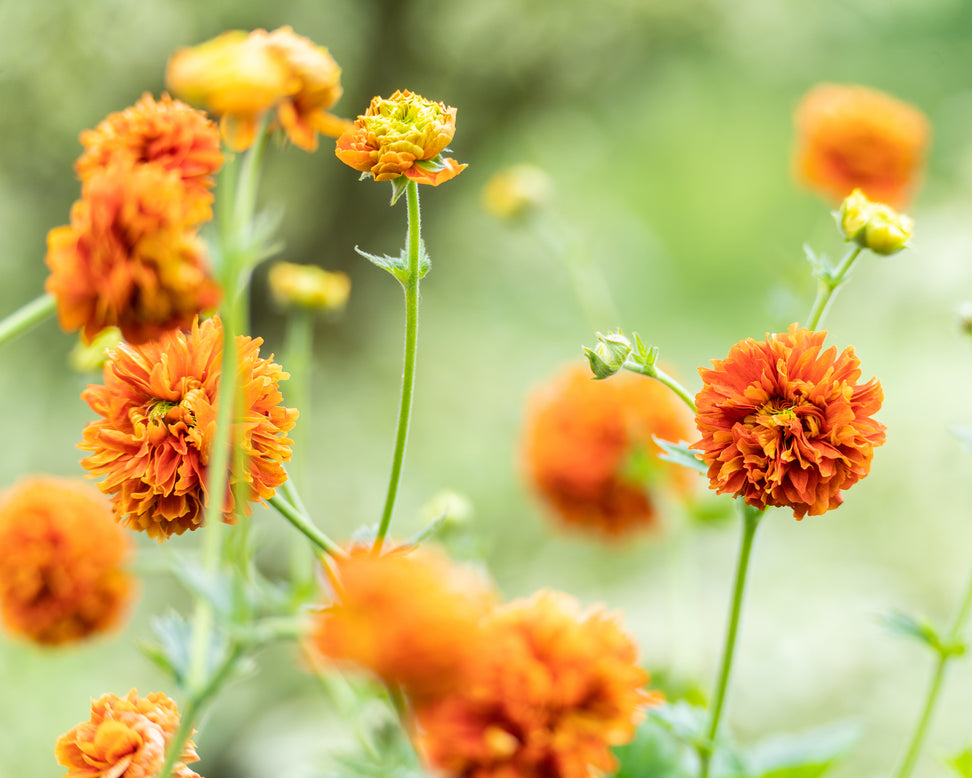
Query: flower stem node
x,y
873,225
609,355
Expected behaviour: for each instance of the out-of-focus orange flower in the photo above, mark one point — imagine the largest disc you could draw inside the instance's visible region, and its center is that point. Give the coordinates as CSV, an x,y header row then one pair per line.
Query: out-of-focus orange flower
x,y
589,453
402,135
556,689
785,423
241,76
61,576
126,736
130,257
852,137
164,132
410,618
158,418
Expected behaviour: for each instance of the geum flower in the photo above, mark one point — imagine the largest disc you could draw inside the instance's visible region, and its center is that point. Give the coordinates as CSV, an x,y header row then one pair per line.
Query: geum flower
x,y
242,77
851,137
403,135
784,423
167,133
126,737
410,617
154,439
131,257
555,689
589,452
61,570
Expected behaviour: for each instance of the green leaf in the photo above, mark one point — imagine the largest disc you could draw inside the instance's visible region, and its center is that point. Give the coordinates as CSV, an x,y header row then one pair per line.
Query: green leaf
x,y
394,265
399,185
681,454
961,763
802,755
214,587
902,624
172,651
655,752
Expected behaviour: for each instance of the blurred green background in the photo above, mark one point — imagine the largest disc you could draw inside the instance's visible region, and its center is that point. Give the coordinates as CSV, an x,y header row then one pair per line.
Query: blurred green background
x,y
666,128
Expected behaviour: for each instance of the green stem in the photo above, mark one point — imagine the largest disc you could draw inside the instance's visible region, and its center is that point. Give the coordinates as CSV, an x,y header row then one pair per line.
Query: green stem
x,y
411,285
827,284
938,676
27,317
750,523
300,520
653,371
298,350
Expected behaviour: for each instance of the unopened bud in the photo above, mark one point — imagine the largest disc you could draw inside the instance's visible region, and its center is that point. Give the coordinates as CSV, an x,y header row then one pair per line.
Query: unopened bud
x,y
308,286
608,356
874,226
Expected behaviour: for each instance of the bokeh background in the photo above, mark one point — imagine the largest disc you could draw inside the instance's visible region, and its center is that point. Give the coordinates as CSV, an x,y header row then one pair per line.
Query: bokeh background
x,y
666,128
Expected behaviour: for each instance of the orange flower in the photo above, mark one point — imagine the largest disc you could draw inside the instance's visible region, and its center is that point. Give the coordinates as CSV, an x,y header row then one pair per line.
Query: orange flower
x,y
851,137
555,691
158,409
240,76
130,257
402,135
589,451
61,576
167,133
410,618
126,736
783,423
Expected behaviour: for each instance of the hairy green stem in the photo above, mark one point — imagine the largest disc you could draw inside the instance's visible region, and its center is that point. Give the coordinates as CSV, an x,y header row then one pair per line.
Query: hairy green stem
x,y
938,676
750,523
653,371
411,285
27,317
301,521
827,284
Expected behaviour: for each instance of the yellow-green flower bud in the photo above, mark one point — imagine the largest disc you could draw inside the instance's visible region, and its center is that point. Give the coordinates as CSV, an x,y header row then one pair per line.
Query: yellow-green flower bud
x,y
517,191
608,356
308,286
874,226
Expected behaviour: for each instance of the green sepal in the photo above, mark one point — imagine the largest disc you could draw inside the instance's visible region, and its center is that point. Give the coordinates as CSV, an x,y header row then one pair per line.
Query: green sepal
x,y
399,185
908,626
802,755
961,763
433,165
681,454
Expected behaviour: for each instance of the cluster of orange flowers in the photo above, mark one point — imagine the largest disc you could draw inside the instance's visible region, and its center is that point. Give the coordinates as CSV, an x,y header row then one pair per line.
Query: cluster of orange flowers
x,y
158,419
131,257
535,687
61,573
125,736
589,450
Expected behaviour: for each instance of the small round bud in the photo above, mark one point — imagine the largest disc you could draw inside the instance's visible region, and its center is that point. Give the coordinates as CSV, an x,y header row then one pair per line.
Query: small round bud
x,y
608,356
308,286
517,191
874,226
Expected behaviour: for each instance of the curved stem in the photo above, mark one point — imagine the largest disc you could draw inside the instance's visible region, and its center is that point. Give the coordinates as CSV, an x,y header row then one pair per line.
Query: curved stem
x,y
653,371
411,285
27,317
827,284
750,521
938,676
300,520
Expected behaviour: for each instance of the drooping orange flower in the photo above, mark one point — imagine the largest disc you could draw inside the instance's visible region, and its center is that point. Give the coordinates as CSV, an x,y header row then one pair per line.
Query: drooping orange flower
x,y
158,418
126,737
166,132
130,257
852,137
403,135
556,689
410,618
61,570
784,423
241,76
589,453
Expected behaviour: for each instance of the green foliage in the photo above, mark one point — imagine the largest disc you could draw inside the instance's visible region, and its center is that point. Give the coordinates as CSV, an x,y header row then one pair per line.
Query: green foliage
x,y
681,454
961,763
398,266
803,755
908,626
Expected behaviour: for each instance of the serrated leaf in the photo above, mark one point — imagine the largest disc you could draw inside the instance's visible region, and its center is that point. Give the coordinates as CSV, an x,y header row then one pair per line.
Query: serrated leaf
x,y
424,263
399,185
802,755
681,454
214,587
393,265
908,626
961,763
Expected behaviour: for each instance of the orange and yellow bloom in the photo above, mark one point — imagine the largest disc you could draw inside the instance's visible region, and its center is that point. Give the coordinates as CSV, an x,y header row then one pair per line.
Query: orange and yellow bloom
x,y
589,453
412,619
125,736
555,690
242,77
158,418
784,423
61,570
402,135
852,137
